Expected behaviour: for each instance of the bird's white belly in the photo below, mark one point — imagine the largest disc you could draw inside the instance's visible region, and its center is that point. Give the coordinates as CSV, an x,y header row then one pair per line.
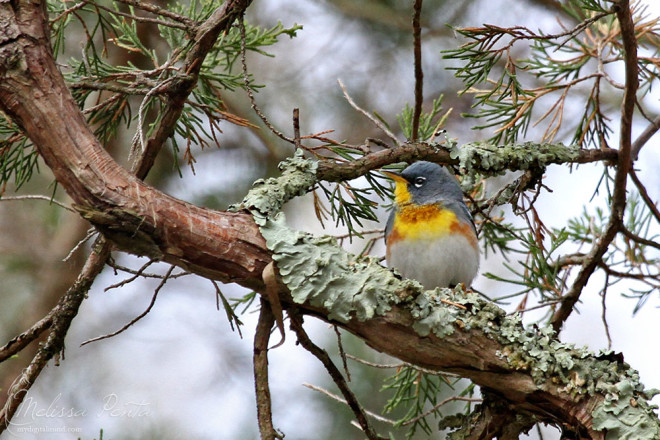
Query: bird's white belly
x,y
440,262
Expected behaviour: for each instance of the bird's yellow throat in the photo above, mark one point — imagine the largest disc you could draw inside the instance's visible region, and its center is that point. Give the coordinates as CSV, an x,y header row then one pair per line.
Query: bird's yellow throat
x,y
401,194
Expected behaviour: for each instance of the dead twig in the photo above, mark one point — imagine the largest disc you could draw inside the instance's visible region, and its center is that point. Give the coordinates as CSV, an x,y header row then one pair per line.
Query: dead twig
x,y
369,116
140,316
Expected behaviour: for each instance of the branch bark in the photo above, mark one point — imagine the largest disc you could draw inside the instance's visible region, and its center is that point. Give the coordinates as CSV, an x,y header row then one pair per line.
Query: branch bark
x,y
260,361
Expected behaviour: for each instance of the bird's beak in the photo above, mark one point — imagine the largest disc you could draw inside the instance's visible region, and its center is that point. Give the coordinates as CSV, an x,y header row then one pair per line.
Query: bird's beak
x,y
394,176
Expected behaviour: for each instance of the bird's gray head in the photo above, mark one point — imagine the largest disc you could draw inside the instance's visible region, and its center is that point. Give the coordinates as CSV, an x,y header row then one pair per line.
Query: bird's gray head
x,y
426,183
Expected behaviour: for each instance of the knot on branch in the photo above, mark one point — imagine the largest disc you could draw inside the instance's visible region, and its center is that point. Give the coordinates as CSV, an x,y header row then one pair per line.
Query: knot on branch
x,y
126,229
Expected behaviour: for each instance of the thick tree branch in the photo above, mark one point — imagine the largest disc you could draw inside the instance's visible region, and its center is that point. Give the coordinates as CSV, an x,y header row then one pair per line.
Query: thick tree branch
x,y
333,172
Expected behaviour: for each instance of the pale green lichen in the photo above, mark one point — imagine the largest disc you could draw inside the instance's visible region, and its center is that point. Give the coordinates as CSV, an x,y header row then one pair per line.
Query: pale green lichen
x,y
321,274
625,414
483,158
268,196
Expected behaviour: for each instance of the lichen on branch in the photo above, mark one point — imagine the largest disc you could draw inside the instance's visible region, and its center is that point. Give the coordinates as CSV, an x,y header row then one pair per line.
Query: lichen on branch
x,y
472,337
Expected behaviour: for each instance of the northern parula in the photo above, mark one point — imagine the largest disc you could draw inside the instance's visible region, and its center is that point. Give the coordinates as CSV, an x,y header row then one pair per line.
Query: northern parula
x,y
430,234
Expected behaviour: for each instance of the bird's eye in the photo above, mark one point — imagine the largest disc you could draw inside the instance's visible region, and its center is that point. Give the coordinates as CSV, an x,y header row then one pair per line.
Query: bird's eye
x,y
419,181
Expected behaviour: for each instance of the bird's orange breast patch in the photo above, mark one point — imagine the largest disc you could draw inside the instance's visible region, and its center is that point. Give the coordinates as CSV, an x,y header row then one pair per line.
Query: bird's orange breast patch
x,y
415,222
421,221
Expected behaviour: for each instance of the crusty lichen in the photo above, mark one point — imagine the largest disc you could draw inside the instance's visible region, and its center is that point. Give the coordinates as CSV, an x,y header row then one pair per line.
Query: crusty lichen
x,y
320,273
268,196
626,414
484,158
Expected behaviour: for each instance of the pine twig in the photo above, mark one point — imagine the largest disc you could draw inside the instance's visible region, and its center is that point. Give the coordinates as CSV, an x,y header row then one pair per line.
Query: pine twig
x,y
140,316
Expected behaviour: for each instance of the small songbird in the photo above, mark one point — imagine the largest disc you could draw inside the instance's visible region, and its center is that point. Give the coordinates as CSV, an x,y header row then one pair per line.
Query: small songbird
x,y
430,234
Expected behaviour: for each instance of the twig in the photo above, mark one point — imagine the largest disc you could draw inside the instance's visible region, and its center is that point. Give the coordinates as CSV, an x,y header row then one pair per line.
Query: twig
x,y
342,353
335,374
272,292
618,199
377,122
117,267
135,276
185,27
419,73
400,365
21,341
643,138
248,89
339,399
90,233
639,239
159,11
64,312
296,127
140,316
260,361
645,195
435,408
37,197
603,294
536,307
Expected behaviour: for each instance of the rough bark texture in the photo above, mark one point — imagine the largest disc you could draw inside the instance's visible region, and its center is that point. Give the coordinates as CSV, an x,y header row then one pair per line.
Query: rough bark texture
x,y
225,246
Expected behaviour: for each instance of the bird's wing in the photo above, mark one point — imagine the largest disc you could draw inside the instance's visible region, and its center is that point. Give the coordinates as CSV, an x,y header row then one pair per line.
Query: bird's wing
x,y
461,210
389,225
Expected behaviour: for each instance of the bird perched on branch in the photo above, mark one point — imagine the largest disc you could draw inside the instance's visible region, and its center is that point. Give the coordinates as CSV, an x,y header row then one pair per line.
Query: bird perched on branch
x,y
430,234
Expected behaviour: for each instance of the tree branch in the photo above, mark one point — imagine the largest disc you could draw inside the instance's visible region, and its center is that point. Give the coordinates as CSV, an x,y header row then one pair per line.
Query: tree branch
x,y
643,138
331,171
63,314
205,37
419,73
645,195
260,360
335,374
623,166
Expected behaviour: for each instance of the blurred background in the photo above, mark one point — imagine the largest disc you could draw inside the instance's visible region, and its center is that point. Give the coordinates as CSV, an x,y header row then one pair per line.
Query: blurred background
x,y
182,372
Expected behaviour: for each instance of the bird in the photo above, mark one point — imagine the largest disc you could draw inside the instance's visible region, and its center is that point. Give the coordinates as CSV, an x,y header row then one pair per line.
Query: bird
x,y
430,234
